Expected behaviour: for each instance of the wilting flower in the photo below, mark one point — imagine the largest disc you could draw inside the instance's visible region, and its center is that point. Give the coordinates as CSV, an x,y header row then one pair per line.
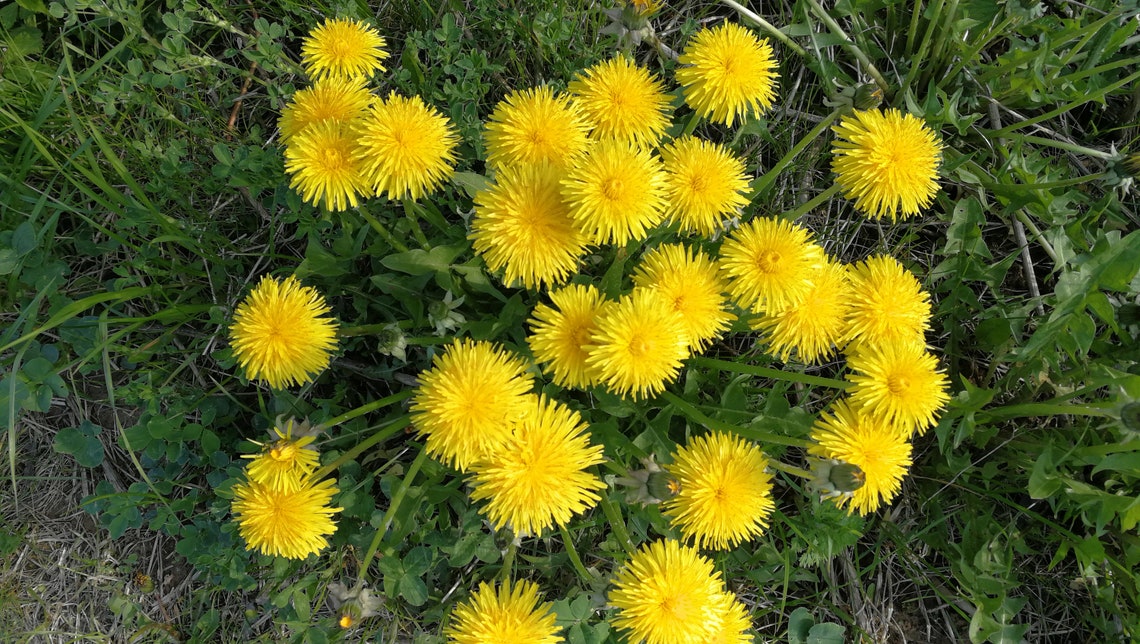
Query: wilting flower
x,y
291,522
622,100
725,494
510,614
560,335
285,462
888,305
887,162
691,281
538,477
535,126
329,99
343,47
405,147
322,168
638,344
899,383
770,264
817,323
280,335
616,192
704,184
728,72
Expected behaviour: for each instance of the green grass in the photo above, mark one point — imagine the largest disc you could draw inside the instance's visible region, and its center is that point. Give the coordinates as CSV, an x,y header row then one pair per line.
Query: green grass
x,y
142,192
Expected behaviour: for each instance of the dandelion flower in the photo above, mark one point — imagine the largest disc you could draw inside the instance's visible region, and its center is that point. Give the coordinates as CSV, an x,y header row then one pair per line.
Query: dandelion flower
x,y
667,593
734,627
329,99
322,168
725,495
285,522
899,383
704,184
770,264
510,614
616,192
535,126
538,478
468,401
728,72
285,462
888,305
887,162
559,335
405,147
638,344
280,335
881,452
817,324
692,282
523,227
343,47
622,100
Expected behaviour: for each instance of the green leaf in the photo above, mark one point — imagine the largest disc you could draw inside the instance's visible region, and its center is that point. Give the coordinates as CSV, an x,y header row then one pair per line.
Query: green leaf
x,y
826,634
81,442
1128,463
413,590
424,262
470,182
799,625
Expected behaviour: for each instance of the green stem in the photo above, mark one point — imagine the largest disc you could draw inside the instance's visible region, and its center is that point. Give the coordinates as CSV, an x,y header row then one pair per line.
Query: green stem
x,y
1094,96
761,184
766,26
918,59
509,559
575,560
380,436
791,469
370,407
1030,410
759,435
1063,145
691,124
381,230
795,213
617,524
397,499
768,372
822,14
414,213
1047,185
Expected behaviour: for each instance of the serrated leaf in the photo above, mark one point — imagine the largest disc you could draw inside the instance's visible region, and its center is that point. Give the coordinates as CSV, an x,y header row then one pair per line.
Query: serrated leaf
x,y
424,262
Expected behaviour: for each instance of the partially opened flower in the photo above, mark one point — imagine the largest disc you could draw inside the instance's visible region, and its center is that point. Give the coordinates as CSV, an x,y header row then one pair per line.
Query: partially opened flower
x,y
329,99
899,383
511,613
560,335
638,344
622,100
285,462
887,162
667,593
616,192
280,334
691,281
538,478
888,305
817,323
343,47
770,264
290,522
535,126
704,184
725,494
881,453
522,226
728,73
469,400
405,149
322,168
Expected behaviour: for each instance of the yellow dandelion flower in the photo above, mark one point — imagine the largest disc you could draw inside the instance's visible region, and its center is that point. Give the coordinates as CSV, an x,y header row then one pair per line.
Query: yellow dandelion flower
x,y
725,495
705,184
734,627
728,72
329,99
881,452
523,227
280,335
692,282
667,593
899,383
616,192
468,401
285,462
539,478
638,344
888,305
510,614
887,162
405,147
285,522
817,324
321,166
770,264
535,126
560,335
622,100
343,47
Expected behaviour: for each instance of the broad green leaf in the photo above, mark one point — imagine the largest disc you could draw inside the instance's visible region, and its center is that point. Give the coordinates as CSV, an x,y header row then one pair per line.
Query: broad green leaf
x,y
81,442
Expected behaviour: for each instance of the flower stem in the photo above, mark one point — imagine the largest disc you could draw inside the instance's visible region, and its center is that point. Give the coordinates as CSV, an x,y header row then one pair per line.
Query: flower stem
x,y
790,469
379,228
575,560
760,185
509,559
617,524
691,124
766,26
1064,145
768,372
822,14
795,213
694,414
380,436
397,499
370,407
412,209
